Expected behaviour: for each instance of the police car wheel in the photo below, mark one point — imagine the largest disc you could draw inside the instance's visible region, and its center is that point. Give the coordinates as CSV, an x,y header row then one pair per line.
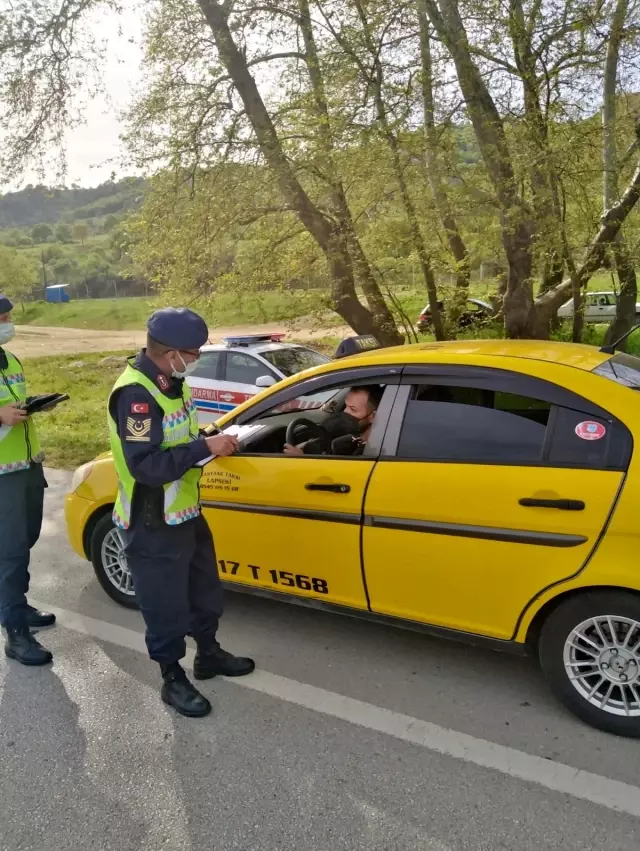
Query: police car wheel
x,y
110,564
589,650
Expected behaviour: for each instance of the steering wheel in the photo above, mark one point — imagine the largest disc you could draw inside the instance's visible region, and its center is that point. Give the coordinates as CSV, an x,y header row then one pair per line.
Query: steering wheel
x,y
316,430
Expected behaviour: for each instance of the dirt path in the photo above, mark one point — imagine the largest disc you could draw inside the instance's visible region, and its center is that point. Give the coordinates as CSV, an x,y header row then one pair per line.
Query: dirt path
x,y
40,341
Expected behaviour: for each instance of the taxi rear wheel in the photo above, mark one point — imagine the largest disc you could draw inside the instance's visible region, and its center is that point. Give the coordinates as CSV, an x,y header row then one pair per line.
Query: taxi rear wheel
x,y
110,563
589,650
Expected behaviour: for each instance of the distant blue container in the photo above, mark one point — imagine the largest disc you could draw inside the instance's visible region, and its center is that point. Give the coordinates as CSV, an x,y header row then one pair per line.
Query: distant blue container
x,y
56,293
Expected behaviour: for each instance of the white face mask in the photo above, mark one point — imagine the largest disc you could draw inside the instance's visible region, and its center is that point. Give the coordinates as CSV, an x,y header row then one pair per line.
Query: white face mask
x,y
186,370
7,332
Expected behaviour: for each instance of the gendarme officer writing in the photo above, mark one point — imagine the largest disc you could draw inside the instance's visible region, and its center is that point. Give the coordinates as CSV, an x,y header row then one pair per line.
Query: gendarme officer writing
x,y
22,485
157,447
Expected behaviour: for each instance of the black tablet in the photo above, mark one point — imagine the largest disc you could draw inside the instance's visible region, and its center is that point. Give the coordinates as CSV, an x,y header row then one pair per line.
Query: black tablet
x,y
37,403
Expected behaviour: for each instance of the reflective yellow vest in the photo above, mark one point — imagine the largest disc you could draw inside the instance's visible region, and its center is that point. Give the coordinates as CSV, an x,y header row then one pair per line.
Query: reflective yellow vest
x,y
179,425
19,444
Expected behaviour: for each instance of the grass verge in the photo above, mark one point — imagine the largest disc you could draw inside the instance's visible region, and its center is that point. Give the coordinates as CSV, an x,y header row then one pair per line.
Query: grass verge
x,y
227,308
76,431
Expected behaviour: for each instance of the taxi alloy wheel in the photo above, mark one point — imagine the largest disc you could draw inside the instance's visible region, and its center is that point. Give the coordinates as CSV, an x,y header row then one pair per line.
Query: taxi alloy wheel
x,y
110,563
590,653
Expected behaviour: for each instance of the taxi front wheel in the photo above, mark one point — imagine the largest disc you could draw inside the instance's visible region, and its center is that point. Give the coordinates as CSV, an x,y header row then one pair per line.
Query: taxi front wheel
x,y
589,650
110,563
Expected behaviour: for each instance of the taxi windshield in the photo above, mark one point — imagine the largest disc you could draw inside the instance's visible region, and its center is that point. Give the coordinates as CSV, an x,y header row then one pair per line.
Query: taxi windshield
x,y
621,368
294,360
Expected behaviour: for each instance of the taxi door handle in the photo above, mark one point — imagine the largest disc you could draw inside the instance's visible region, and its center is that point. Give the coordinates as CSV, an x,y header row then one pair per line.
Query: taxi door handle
x,y
560,504
332,488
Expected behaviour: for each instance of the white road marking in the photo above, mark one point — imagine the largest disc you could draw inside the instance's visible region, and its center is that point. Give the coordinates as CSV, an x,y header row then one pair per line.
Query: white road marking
x,y
555,776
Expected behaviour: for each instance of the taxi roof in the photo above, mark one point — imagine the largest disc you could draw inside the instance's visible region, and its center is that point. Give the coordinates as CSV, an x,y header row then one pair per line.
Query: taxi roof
x,y
569,354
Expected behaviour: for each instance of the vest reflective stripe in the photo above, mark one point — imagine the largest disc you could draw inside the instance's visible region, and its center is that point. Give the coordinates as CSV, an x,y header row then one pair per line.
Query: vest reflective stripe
x,y
19,444
179,426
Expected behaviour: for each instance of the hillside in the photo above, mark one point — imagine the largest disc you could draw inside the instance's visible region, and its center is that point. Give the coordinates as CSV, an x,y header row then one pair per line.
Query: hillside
x,y
55,235
41,204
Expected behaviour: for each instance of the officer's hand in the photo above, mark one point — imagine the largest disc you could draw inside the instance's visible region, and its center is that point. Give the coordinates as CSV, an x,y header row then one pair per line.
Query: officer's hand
x,y
292,450
222,444
11,415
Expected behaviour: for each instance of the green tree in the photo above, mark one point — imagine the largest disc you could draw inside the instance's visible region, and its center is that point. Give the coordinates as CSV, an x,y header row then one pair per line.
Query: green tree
x,y
41,233
63,233
80,232
18,274
510,153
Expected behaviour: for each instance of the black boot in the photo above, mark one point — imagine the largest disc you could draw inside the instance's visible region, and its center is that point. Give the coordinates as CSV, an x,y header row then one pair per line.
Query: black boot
x,y
38,620
178,692
214,660
23,647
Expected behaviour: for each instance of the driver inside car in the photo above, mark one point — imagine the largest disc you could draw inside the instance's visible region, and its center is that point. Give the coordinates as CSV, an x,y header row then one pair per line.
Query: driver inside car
x,y
361,404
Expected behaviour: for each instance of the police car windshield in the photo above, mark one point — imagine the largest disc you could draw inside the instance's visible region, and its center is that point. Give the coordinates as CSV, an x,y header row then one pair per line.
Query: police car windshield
x,y
621,368
293,360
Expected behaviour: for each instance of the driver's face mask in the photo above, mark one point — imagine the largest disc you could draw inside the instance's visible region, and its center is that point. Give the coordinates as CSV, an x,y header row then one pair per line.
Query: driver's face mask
x,y
344,423
354,425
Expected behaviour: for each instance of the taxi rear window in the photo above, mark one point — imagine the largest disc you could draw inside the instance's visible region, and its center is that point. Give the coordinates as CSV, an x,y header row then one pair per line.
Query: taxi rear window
x,y
622,368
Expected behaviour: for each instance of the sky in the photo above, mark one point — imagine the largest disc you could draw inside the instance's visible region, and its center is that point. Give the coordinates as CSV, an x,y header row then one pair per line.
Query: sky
x,y
94,150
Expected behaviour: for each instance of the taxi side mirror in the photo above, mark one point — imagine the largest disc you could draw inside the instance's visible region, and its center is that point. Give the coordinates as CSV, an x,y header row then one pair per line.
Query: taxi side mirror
x,y
265,381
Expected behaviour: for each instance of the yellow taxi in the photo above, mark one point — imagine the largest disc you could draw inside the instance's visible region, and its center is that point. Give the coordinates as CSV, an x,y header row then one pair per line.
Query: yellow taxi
x,y
496,500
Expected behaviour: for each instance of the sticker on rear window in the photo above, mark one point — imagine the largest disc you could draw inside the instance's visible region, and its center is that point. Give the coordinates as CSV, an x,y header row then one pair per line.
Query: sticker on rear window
x,y
590,430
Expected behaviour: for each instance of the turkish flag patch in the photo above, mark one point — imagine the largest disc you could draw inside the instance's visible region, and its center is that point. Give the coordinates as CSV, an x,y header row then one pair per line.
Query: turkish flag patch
x,y
139,408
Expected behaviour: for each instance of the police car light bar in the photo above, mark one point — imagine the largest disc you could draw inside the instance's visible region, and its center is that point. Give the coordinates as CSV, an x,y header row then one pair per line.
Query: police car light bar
x,y
251,339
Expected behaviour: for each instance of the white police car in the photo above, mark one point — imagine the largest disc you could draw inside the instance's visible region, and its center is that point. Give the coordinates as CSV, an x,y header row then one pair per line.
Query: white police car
x,y
236,369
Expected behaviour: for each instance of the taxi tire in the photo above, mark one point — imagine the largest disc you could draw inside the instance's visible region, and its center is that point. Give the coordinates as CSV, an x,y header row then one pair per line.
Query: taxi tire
x,y
100,532
553,636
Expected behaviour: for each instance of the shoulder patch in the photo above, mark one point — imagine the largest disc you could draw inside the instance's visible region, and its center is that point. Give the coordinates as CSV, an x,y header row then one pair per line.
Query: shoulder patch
x,y
139,408
162,381
138,430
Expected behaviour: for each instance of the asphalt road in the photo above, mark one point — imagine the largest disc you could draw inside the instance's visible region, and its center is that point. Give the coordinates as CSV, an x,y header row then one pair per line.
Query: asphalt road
x,y
350,736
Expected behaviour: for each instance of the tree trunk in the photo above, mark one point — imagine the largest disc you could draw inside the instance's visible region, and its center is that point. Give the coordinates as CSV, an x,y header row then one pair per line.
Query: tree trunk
x,y
517,226
361,266
625,316
626,303
612,221
327,233
519,317
543,178
375,78
578,310
456,244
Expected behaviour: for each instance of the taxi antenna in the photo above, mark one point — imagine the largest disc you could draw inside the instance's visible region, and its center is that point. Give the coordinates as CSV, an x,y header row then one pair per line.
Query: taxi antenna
x,y
611,348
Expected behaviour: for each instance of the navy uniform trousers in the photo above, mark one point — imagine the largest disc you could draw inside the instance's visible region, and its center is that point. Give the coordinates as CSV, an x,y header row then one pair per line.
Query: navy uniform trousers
x,y
21,504
175,576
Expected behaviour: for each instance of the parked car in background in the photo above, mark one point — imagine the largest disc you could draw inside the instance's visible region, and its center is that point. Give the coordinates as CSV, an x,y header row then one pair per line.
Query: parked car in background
x,y
599,307
233,371
476,311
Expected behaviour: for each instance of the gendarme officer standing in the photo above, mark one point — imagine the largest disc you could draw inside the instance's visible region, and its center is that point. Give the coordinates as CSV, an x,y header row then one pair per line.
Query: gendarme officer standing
x,y
157,447
22,485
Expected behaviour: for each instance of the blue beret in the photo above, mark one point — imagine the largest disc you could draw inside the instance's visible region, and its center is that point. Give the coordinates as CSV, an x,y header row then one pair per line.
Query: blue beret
x,y
178,328
5,304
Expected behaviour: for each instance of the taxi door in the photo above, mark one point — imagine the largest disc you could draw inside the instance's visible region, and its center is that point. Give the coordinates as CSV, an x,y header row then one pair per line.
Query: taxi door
x,y
491,487
292,524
